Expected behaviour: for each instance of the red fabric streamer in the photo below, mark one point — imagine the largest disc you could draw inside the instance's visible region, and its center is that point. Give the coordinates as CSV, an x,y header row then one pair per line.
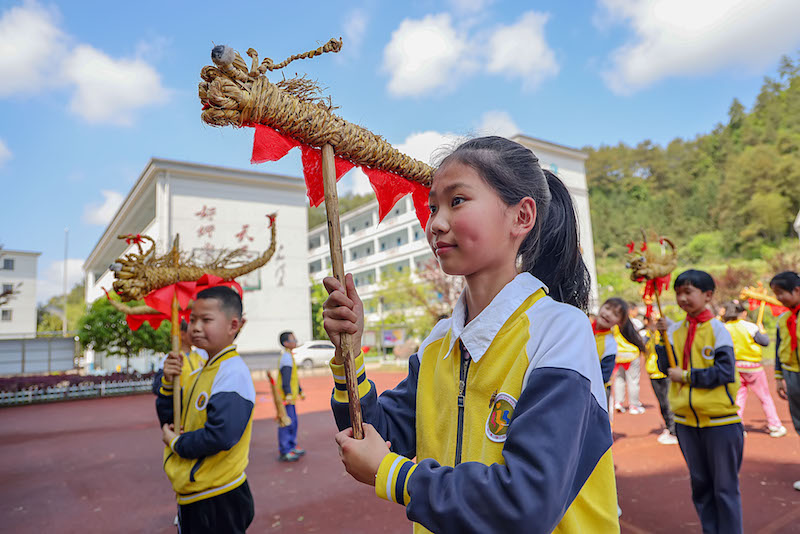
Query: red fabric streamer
x,y
776,310
656,285
644,246
791,325
270,145
389,188
631,246
702,317
210,280
312,170
421,206
135,321
271,219
136,239
161,299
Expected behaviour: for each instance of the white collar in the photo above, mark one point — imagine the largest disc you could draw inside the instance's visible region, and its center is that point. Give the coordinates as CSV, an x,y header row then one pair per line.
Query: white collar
x,y
481,331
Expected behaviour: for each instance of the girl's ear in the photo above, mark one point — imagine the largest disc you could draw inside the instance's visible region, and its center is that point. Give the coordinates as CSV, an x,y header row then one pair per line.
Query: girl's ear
x,y
525,216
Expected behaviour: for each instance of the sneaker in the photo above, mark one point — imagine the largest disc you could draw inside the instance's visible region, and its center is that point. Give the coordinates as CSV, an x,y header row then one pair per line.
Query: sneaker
x,y
636,410
619,408
175,522
667,439
776,431
796,485
288,457
298,451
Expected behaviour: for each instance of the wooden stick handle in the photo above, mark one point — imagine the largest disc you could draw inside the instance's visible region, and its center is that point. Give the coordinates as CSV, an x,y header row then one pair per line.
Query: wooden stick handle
x,y
337,261
176,347
760,320
670,355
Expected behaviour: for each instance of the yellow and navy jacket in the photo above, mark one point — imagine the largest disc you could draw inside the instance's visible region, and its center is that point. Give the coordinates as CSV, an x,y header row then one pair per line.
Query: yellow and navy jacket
x,y
607,352
626,351
514,437
785,357
747,343
288,384
707,397
192,362
651,363
209,458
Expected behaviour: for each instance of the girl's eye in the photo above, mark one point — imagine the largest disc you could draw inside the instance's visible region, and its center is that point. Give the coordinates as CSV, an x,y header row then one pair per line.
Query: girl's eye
x,y
432,208
456,201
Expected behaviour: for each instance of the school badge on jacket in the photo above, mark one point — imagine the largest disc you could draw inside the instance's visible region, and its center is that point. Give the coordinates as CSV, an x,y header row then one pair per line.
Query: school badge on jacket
x,y
500,417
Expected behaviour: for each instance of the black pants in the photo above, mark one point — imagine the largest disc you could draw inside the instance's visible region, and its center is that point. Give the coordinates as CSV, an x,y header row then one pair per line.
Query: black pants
x,y
714,456
661,389
231,512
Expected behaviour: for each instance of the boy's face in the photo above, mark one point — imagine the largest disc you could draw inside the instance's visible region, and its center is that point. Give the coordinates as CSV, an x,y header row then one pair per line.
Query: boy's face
x,y
692,300
290,343
790,299
210,327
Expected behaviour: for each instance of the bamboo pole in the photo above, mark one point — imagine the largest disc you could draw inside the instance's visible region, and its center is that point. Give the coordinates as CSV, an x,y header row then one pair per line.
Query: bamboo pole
x,y
176,347
670,355
337,262
760,320
280,410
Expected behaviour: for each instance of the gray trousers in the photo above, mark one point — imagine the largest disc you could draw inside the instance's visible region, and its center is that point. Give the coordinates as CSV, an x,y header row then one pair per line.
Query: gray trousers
x,y
793,392
629,378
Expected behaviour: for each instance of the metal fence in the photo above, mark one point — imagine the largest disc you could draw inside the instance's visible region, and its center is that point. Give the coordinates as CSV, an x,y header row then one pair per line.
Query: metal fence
x,y
79,391
37,355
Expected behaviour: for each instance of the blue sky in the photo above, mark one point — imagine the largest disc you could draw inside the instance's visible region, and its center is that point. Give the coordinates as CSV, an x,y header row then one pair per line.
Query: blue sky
x,y
92,90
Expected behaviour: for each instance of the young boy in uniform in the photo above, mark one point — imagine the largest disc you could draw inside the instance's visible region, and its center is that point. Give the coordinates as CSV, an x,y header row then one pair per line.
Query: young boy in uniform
x,y
205,461
289,386
704,386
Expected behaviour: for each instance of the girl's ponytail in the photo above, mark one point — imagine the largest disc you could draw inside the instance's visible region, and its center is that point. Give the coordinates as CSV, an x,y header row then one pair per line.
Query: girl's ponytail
x,y
558,262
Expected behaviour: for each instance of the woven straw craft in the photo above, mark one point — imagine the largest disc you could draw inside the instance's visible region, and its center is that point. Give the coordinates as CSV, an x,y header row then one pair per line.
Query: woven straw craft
x,y
652,262
232,94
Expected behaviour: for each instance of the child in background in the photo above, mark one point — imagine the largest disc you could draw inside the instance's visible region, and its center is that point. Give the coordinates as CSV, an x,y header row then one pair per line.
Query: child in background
x,y
704,384
613,314
659,382
786,286
503,405
747,343
628,366
289,386
205,460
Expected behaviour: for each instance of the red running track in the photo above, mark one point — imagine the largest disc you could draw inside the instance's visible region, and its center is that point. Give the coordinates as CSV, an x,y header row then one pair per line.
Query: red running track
x,y
95,466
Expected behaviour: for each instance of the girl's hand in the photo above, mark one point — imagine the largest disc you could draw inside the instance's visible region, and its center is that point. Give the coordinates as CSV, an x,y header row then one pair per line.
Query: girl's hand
x,y
780,388
362,457
675,374
342,312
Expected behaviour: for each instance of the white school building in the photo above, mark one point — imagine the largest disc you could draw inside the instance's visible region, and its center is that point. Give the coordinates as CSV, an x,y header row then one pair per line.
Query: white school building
x,y
398,242
214,209
18,274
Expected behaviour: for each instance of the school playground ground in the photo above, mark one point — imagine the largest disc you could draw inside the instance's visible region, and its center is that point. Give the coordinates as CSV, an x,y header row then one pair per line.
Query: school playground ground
x,y
95,466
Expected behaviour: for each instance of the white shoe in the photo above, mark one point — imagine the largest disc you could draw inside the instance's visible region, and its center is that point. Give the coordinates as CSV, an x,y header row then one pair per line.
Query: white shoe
x,y
619,408
176,521
796,485
636,410
667,439
776,431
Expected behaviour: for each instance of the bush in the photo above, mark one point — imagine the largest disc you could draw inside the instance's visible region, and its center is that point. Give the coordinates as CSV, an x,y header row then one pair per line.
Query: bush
x,y
20,383
704,246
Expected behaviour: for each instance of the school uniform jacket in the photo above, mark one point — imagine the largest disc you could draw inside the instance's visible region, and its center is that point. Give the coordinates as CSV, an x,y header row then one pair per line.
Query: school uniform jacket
x,y
747,343
192,362
209,458
785,357
626,351
607,351
522,444
288,384
708,397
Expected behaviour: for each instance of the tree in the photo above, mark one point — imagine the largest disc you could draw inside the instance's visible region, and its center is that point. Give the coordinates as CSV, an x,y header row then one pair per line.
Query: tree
x,y
48,316
104,329
318,296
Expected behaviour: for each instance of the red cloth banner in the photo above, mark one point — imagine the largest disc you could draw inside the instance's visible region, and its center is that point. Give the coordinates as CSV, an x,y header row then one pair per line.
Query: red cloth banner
x,y
270,145
312,171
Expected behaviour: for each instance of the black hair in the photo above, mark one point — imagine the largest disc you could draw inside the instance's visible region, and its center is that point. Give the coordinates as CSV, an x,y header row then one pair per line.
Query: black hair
x,y
626,327
550,251
699,279
787,280
284,337
733,308
229,300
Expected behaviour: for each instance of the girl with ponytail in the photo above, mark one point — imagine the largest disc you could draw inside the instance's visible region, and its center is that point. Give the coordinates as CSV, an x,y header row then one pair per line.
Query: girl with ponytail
x,y
504,405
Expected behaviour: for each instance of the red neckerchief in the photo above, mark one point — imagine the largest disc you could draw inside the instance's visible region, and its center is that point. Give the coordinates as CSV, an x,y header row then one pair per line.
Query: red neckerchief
x,y
702,317
596,330
791,324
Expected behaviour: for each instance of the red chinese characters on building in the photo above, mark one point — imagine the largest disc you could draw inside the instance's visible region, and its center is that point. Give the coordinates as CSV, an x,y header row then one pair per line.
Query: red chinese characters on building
x,y
242,236
206,212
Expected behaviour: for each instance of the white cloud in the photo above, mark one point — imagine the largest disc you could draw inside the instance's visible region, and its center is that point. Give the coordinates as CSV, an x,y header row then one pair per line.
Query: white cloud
x,y
498,123
360,182
521,51
425,55
355,27
469,6
690,38
5,153
31,43
102,213
429,146
51,280
110,90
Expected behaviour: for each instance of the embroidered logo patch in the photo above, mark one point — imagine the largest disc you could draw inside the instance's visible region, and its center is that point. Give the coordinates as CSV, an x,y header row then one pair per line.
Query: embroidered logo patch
x,y
201,401
500,417
708,352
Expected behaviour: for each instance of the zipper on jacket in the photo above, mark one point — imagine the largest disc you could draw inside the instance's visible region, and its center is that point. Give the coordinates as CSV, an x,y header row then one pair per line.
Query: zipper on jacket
x,y
462,390
691,407
195,467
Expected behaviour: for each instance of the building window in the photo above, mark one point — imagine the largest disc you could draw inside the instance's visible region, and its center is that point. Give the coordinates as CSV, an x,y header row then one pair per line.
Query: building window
x,y
354,255
399,241
383,246
8,288
369,250
8,264
6,315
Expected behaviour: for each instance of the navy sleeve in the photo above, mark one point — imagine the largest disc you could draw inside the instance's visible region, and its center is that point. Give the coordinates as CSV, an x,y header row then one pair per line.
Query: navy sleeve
x,y
393,414
722,372
761,338
607,367
555,439
164,408
663,359
157,381
227,415
778,366
286,380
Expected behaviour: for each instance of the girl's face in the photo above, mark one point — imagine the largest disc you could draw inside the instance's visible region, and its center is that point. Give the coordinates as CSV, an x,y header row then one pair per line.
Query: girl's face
x,y
471,230
790,299
608,316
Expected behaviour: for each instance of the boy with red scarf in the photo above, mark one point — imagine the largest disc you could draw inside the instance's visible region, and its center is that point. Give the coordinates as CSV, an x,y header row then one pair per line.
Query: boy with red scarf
x,y
702,396
786,286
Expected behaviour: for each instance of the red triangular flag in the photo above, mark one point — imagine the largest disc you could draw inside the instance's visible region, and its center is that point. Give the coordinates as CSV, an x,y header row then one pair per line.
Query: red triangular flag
x,y
270,145
312,171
